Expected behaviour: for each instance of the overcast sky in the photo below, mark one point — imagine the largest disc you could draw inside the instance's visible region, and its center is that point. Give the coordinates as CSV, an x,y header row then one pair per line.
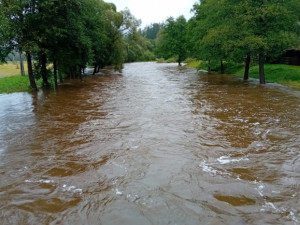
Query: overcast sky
x,y
155,11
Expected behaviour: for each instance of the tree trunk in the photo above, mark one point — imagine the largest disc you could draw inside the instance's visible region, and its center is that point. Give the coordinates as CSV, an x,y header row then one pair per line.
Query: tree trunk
x,y
80,72
55,72
60,76
247,67
30,71
95,69
261,60
222,67
44,70
179,60
22,65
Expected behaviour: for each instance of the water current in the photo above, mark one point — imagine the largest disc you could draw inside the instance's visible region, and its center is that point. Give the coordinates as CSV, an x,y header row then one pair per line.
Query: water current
x,y
156,144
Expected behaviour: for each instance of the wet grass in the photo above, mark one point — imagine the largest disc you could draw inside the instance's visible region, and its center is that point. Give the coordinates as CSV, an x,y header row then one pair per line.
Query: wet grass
x,y
16,83
193,64
283,74
279,73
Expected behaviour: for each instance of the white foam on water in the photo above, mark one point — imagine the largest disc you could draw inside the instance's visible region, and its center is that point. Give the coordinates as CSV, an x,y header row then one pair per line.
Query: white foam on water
x,y
208,169
42,181
72,189
119,193
227,159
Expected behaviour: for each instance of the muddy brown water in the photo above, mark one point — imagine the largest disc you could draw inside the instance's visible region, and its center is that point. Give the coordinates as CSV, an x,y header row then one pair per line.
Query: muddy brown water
x,y
157,144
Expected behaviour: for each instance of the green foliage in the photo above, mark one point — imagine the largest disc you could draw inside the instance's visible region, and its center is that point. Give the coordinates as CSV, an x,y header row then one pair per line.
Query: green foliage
x,y
138,48
172,40
276,72
151,31
71,33
172,60
230,30
193,64
161,60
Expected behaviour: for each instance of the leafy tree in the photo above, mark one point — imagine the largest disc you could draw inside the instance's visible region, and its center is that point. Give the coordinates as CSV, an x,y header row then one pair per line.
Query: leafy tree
x,y
151,31
172,40
16,26
70,34
138,48
5,45
238,29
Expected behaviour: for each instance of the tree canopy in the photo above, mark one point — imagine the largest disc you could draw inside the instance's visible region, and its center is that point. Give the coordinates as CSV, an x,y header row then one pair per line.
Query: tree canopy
x,y
69,34
172,40
239,29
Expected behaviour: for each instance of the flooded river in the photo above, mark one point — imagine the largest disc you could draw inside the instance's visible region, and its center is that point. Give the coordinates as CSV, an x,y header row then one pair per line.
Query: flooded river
x,y
157,144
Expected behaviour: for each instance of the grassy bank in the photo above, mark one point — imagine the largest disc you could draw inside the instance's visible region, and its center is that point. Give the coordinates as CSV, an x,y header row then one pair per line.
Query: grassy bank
x,y
279,73
194,64
15,83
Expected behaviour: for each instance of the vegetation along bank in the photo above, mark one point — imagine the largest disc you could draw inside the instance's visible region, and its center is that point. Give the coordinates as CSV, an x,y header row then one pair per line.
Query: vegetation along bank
x,y
58,39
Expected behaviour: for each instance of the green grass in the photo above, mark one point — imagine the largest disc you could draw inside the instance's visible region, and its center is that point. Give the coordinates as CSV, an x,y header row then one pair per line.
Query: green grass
x,y
193,64
283,74
279,73
16,83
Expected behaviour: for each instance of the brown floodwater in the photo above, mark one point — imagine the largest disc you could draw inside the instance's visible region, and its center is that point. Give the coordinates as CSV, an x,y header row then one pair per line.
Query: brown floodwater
x,y
156,144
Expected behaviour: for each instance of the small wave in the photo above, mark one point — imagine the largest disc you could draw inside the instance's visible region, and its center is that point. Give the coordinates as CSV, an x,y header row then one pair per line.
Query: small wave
x,y
42,181
119,193
227,160
271,207
208,169
72,189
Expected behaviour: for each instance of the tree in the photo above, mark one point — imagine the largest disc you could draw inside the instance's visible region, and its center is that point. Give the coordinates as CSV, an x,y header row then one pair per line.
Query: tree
x,y
138,48
14,15
172,40
151,31
5,33
69,34
240,29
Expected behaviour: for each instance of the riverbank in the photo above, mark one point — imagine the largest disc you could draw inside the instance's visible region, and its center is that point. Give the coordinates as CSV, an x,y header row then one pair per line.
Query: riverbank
x,y
275,73
17,83
279,73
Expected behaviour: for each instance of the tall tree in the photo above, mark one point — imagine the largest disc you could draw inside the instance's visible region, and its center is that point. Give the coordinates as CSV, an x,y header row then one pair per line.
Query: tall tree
x,y
240,29
173,39
16,27
151,31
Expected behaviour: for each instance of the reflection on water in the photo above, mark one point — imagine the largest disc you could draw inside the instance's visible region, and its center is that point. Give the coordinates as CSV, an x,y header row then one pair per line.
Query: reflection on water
x,y
157,144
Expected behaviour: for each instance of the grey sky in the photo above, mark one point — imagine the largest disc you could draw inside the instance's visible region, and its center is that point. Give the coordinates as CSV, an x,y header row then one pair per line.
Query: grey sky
x,y
151,11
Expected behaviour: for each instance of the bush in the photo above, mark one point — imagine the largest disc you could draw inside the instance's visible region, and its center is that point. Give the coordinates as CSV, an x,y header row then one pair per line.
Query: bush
x,y
160,60
172,60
